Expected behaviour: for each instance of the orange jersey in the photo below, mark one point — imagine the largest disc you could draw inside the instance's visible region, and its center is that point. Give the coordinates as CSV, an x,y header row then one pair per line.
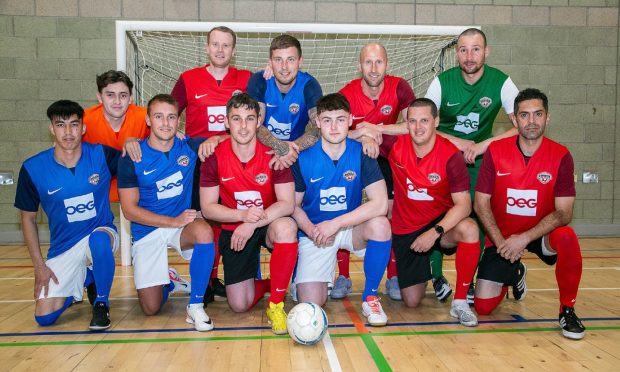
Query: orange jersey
x,y
98,131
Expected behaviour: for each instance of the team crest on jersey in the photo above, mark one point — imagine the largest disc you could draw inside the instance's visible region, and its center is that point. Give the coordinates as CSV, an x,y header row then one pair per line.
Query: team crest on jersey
x,y
183,160
261,178
349,175
434,178
544,177
93,179
485,102
236,92
386,109
293,108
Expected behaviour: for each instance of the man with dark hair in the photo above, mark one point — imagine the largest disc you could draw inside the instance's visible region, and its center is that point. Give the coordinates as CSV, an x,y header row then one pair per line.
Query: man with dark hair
x,y
431,208
70,181
330,178
155,195
253,203
524,198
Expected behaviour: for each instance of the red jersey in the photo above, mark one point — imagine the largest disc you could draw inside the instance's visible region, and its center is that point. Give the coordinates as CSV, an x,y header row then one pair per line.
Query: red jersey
x,y
524,193
423,187
205,99
386,109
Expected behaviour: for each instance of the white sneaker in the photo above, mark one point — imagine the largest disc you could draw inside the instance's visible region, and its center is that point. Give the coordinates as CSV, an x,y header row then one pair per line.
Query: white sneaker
x,y
460,310
196,315
372,310
180,284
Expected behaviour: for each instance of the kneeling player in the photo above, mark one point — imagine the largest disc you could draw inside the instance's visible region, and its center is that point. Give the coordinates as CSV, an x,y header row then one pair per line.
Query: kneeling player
x,y
431,205
329,179
155,195
524,198
71,181
256,202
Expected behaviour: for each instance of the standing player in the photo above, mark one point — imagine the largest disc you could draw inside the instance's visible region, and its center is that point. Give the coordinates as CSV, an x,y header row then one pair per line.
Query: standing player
x,y
287,101
71,181
431,209
155,195
376,99
524,199
204,91
255,204
329,179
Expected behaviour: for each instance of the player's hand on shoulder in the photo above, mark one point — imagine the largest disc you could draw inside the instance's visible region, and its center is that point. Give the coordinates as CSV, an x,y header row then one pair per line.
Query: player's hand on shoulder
x,y
241,235
207,148
42,277
370,147
474,151
180,135
425,241
462,144
373,131
254,214
131,147
285,161
188,216
267,72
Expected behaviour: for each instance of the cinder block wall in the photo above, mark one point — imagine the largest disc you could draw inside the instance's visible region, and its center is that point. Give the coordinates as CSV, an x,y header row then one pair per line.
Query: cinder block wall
x,y
52,49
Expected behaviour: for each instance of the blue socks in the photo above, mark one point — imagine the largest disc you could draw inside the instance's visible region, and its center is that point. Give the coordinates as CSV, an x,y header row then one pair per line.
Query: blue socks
x,y
49,319
166,290
200,270
375,262
103,264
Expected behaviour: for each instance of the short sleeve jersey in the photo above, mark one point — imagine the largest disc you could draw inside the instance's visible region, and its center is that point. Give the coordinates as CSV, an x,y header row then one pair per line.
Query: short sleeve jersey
x,y
204,98
75,202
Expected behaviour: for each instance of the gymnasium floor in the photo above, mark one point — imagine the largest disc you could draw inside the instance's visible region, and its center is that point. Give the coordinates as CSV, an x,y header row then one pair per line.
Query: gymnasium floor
x,y
518,336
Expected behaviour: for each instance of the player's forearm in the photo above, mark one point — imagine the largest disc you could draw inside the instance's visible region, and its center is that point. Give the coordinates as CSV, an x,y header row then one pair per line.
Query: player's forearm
x,y
137,214
394,129
303,222
363,213
31,238
221,213
456,214
276,210
309,138
482,206
549,223
278,146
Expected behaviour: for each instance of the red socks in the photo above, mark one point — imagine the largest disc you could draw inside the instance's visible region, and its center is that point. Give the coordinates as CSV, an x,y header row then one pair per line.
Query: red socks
x,y
484,306
283,259
343,258
467,255
568,267
391,267
260,288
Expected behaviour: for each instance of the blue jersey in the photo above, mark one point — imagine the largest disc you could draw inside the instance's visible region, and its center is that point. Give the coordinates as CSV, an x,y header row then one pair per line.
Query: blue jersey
x,y
76,201
164,180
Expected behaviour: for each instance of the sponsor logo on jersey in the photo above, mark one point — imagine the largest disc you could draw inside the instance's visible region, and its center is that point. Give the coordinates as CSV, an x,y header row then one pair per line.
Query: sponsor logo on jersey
x,y
293,108
434,178
415,193
216,115
544,177
349,175
467,124
248,199
279,130
183,160
385,110
333,199
261,178
170,186
485,102
236,92
93,179
521,202
80,208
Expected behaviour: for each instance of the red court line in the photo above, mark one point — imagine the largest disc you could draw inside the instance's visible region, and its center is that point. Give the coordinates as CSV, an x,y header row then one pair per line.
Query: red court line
x,y
355,318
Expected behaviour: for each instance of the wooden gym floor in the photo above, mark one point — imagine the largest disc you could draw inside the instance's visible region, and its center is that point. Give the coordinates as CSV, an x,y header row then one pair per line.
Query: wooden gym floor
x,y
522,335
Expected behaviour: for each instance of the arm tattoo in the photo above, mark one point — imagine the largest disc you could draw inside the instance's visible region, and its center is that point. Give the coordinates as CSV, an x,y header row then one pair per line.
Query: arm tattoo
x,y
311,133
278,146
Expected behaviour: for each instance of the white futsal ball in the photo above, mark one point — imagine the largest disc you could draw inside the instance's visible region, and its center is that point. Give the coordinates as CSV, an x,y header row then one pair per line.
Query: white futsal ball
x,y
306,323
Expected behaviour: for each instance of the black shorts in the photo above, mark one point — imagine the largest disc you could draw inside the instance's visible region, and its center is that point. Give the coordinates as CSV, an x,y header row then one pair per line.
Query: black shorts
x,y
413,267
242,265
196,186
384,165
497,269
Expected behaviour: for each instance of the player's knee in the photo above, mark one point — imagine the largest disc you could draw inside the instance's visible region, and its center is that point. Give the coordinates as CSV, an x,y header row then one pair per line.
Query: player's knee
x,y
48,319
204,234
564,239
467,231
150,308
99,242
378,228
484,306
284,230
238,306
412,301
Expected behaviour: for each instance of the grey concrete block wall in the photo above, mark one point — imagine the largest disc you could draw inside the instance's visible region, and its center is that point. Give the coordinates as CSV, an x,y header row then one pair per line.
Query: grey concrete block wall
x,y
52,49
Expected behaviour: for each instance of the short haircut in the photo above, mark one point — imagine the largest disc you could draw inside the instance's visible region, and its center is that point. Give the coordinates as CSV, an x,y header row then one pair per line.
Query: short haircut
x,y
284,42
531,93
373,44
474,31
111,77
226,30
332,102
242,100
64,109
425,102
162,97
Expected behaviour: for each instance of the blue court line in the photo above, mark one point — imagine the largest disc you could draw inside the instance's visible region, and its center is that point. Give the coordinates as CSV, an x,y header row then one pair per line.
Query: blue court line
x,y
516,319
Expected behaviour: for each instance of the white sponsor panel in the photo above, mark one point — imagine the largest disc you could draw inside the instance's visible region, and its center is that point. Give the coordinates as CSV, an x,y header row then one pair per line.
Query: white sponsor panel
x,y
170,186
215,118
333,199
80,208
521,202
247,199
467,124
279,130
414,193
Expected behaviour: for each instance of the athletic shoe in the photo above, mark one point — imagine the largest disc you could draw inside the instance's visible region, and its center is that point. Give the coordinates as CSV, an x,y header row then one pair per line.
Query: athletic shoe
x,y
196,315
460,310
101,317
372,310
342,288
571,325
392,289
180,284
442,288
218,287
520,289
293,290
471,293
277,318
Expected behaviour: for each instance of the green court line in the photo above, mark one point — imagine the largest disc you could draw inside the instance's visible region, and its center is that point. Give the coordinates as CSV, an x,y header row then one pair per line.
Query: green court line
x,y
375,352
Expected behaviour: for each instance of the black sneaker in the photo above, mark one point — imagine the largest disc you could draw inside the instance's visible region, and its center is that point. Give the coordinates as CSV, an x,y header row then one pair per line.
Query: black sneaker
x,y
471,293
101,317
571,325
209,296
218,287
442,288
519,290
91,292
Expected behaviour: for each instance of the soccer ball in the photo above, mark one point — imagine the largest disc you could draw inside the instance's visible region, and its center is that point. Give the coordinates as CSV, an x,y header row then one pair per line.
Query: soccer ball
x,y
306,323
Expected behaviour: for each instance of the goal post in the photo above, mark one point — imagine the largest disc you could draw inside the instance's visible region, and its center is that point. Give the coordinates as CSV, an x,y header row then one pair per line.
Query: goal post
x,y
154,53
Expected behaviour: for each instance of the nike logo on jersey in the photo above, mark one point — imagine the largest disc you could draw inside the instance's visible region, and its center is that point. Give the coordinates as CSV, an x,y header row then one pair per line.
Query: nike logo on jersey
x,y
450,104
200,96
500,174
357,117
227,179
53,192
398,165
312,180
280,290
270,105
146,173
